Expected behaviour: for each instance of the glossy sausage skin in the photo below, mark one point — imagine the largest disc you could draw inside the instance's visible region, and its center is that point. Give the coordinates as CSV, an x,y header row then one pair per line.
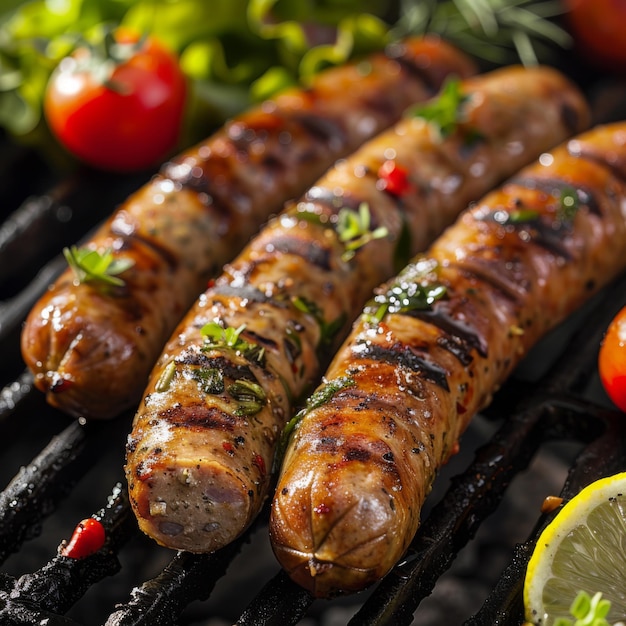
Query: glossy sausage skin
x,y
91,349
200,454
402,390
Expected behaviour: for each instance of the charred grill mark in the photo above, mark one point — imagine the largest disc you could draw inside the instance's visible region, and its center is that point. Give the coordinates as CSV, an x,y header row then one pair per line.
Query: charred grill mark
x,y
617,169
221,363
324,197
408,65
199,417
459,338
261,340
322,129
327,445
241,292
357,454
586,196
311,251
472,269
551,239
570,118
381,104
404,356
132,241
213,179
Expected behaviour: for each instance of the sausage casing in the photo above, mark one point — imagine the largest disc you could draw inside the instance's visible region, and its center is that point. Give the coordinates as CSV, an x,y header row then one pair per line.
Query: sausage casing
x,y
429,351
200,454
91,348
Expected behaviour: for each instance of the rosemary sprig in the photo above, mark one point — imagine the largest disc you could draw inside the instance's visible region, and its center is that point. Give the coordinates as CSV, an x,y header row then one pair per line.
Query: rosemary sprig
x,y
498,31
97,267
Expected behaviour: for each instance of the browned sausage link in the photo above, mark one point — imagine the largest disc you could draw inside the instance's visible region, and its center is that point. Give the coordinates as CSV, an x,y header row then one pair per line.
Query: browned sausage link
x,y
200,453
91,349
429,351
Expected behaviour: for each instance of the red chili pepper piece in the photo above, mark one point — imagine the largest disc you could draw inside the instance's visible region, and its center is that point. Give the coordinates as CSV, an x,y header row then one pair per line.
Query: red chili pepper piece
x,y
260,463
88,537
394,178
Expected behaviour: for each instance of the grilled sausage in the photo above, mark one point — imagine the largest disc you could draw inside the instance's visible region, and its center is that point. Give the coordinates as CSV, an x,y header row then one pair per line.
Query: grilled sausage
x,y
200,453
91,349
428,352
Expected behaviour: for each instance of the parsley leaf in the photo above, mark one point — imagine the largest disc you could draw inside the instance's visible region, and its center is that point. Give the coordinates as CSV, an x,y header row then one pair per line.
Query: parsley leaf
x,y
445,112
218,337
99,267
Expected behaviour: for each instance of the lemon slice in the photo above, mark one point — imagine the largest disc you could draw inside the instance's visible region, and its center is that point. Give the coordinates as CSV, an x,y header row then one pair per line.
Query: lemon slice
x,y
582,549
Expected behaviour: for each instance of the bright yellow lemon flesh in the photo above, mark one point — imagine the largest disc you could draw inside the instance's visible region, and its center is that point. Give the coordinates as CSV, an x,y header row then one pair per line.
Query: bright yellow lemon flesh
x,y
582,549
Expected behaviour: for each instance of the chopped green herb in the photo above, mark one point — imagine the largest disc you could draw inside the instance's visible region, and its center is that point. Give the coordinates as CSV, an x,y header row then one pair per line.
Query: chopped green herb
x,y
320,397
209,379
328,329
217,337
165,380
519,216
250,397
402,253
406,295
324,393
97,267
569,203
445,112
354,229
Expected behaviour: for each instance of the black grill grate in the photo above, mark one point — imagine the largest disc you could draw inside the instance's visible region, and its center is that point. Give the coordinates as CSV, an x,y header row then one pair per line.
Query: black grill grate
x,y
58,472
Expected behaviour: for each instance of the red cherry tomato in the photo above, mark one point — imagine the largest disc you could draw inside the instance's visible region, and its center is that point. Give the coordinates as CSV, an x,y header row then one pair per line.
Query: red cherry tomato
x,y
88,537
598,29
120,113
612,360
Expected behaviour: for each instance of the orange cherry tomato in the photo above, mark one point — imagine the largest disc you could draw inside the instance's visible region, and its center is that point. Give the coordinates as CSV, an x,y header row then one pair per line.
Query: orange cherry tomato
x,y
612,360
121,111
598,29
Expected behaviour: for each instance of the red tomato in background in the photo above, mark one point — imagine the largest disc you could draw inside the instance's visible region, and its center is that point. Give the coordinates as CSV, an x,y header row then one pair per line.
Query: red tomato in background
x,y
118,114
598,27
612,360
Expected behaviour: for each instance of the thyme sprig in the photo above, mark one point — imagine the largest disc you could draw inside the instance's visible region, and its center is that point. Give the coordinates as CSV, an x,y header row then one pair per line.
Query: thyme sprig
x,y
93,266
